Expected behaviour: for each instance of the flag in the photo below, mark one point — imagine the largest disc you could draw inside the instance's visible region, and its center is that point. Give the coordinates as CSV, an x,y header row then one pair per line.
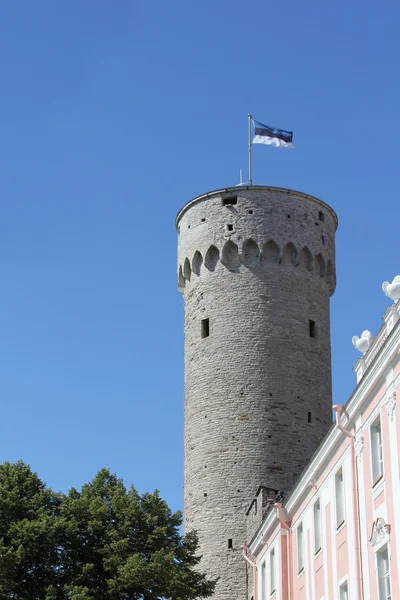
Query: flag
x,y
263,134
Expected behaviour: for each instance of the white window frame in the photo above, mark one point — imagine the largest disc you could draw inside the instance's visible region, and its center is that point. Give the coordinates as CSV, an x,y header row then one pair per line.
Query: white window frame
x,y
344,590
300,548
317,526
340,512
377,467
263,581
272,574
383,573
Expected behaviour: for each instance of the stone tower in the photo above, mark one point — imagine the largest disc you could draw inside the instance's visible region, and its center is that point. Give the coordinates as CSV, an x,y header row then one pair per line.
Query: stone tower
x,y
256,270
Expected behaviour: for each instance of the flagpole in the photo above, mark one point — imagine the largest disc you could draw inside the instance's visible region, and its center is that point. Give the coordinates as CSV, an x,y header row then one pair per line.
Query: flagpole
x,y
249,139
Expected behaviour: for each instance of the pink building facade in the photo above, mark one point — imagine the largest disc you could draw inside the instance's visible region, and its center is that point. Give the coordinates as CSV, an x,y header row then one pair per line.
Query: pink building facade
x,y
337,535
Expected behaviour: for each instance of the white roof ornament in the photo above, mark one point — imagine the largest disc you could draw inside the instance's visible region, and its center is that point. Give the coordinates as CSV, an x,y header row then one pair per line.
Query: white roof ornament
x,y
392,290
362,343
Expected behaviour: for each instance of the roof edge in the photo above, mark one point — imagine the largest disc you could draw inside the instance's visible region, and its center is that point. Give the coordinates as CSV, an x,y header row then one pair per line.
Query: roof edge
x,y
236,188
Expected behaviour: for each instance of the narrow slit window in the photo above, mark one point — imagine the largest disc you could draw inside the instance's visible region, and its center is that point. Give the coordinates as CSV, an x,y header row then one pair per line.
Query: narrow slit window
x,y
230,543
344,591
300,557
317,526
384,574
263,581
205,328
339,497
309,417
313,333
272,571
376,451
230,201
321,216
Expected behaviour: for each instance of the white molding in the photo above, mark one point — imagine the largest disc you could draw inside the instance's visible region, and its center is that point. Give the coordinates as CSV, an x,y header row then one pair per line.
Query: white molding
x,y
363,524
333,551
394,460
380,534
359,442
390,402
380,485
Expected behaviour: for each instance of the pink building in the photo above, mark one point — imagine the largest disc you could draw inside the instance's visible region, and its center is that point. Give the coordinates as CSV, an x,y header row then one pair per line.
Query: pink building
x,y
337,535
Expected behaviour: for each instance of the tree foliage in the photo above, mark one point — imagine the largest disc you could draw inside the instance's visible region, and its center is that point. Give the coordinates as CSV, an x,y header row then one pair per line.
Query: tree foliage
x,y
101,543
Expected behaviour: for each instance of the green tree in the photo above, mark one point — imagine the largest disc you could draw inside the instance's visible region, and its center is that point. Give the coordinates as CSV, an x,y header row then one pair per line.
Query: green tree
x,y
104,542
120,545
28,533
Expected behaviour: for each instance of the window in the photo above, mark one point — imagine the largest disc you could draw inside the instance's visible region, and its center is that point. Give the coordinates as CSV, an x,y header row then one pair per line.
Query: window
x,y
229,227
339,496
321,216
343,591
263,582
313,333
300,555
317,526
229,201
205,328
230,543
383,574
376,451
272,571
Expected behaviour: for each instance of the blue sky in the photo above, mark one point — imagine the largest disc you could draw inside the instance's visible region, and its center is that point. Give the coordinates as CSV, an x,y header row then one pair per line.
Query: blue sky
x,y
112,116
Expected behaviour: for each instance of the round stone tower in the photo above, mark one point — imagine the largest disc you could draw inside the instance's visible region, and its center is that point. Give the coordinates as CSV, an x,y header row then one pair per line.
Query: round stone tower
x,y
256,269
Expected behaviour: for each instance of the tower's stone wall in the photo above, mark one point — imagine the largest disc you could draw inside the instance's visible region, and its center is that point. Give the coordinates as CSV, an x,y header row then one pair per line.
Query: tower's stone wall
x,y
259,264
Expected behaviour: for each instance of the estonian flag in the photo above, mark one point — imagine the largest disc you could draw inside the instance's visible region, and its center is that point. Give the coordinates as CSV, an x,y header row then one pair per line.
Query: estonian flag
x,y
263,134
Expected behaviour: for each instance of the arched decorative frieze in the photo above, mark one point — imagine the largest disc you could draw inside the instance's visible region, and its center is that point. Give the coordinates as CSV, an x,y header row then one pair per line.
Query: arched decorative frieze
x,y
230,256
306,258
250,253
211,258
187,271
197,263
329,273
270,252
181,279
290,255
250,256
320,262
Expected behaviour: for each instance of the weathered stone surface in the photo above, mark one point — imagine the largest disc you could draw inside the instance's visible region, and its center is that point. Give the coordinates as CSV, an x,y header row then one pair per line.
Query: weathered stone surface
x,y
261,270
262,503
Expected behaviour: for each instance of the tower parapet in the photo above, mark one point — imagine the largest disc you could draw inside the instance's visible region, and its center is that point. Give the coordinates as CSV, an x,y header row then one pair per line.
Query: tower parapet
x,y
256,267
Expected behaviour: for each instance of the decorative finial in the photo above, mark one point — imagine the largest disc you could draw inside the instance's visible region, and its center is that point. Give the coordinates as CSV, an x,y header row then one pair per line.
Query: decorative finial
x,y
392,290
362,343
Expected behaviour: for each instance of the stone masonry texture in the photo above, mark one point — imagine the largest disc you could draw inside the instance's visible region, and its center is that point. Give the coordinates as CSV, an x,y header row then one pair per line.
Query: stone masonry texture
x,y
256,267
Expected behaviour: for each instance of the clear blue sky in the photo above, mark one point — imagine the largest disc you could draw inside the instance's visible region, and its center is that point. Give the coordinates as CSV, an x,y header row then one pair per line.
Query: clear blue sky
x,y
112,116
